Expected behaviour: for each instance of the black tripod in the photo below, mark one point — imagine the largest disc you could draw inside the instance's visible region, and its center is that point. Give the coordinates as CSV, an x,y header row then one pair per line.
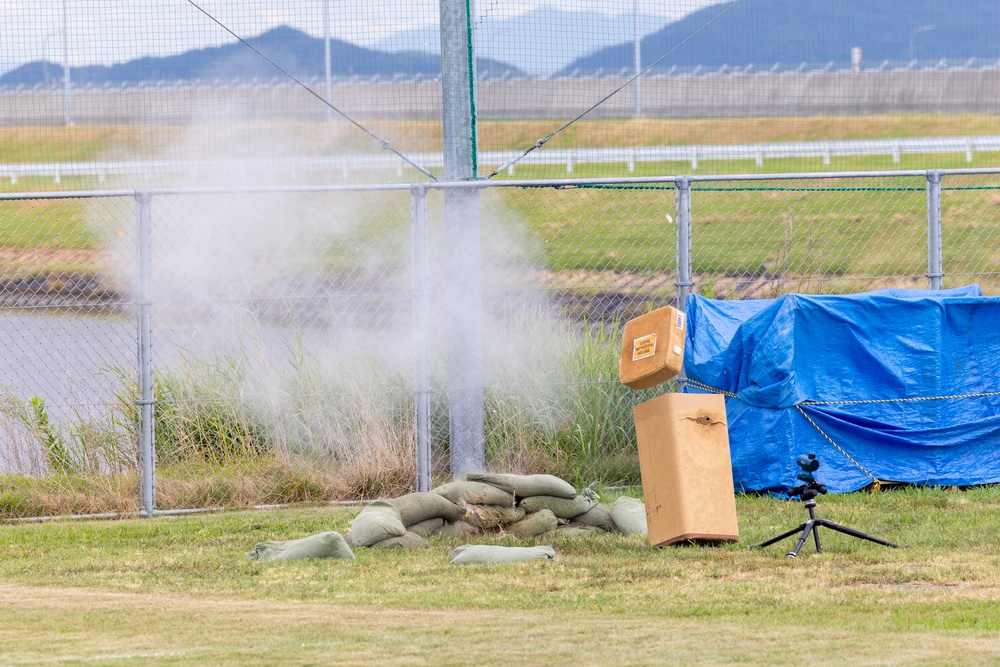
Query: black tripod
x,y
808,493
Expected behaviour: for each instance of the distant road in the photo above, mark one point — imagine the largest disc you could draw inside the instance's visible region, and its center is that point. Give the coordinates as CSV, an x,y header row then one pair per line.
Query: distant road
x,y
343,166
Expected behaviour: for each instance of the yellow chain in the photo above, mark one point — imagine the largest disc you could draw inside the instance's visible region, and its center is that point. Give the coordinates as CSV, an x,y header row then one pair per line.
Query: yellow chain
x,y
875,483
901,400
705,387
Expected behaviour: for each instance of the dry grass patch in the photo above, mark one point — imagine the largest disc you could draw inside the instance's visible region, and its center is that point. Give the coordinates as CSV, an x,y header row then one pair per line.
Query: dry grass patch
x,y
33,143
60,624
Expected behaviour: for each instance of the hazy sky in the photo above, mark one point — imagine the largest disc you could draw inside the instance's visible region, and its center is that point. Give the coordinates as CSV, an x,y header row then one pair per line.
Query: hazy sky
x,y
107,31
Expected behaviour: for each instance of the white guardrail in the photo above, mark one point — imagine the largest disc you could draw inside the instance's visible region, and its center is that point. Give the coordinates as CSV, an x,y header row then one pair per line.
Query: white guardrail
x,y
345,164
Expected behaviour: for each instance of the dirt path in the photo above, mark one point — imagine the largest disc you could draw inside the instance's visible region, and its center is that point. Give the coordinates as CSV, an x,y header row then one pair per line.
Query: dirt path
x,y
43,625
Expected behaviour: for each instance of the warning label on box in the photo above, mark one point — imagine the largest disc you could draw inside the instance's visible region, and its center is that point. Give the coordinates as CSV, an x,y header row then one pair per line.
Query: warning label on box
x,y
644,347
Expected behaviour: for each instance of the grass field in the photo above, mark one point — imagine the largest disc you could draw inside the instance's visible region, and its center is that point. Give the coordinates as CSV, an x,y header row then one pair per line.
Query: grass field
x,y
180,590
265,139
83,142
805,229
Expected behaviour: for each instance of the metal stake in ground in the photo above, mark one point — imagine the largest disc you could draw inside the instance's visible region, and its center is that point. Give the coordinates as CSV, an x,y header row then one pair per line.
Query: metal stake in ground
x,y
808,492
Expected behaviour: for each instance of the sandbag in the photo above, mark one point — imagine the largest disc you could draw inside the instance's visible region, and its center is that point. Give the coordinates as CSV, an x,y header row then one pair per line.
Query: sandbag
x,y
469,554
629,515
425,528
573,531
492,517
324,545
417,507
408,540
378,521
474,493
564,508
382,507
534,524
458,529
525,486
598,516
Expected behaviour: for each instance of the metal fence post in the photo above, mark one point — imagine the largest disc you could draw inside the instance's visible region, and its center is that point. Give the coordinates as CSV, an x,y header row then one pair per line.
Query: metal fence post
x,y
464,298
683,283
463,269
935,264
146,401
684,272
421,338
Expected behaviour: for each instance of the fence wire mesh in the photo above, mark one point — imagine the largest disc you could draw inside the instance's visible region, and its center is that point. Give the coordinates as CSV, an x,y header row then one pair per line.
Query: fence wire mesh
x,y
67,320
290,326
970,232
283,339
96,89
761,239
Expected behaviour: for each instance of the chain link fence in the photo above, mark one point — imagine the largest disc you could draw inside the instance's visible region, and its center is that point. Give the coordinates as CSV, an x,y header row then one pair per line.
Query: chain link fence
x,y
168,350
98,91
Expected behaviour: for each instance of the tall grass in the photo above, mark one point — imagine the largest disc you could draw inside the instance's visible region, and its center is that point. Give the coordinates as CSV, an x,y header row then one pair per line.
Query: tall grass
x,y
82,464
247,426
573,418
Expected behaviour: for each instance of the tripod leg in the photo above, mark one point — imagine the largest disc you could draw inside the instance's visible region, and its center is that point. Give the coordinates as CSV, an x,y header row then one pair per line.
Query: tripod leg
x,y
771,541
810,525
854,533
819,549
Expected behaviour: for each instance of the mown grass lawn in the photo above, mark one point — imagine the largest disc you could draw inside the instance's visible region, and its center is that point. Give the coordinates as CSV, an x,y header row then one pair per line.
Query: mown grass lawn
x,y
179,590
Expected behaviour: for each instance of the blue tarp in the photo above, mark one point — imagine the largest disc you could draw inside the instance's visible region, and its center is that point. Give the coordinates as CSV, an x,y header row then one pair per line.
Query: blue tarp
x,y
781,357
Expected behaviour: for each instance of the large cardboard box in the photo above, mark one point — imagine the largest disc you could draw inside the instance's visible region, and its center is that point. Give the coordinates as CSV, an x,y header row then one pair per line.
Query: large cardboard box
x,y
687,477
652,348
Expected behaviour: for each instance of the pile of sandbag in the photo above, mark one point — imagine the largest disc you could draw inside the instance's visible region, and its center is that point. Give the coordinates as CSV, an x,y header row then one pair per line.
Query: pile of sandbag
x,y
521,505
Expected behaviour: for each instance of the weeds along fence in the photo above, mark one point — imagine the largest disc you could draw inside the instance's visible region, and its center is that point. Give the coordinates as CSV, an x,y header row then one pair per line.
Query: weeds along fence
x,y
170,349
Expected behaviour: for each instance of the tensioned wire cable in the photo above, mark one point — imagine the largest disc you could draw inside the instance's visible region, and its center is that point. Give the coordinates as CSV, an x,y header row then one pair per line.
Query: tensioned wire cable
x,y
382,142
541,142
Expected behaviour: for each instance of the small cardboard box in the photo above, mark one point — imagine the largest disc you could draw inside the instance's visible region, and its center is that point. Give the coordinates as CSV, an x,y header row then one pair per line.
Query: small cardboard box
x,y
687,477
653,348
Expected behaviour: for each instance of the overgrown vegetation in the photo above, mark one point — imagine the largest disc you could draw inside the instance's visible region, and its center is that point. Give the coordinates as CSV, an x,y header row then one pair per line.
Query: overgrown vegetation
x,y
578,425
250,426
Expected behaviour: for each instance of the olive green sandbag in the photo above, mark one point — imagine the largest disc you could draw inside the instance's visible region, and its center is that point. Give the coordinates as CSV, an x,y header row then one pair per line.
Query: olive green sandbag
x,y
534,524
629,515
458,529
470,554
324,545
573,531
408,540
564,508
417,507
598,516
426,528
474,493
492,517
378,521
524,486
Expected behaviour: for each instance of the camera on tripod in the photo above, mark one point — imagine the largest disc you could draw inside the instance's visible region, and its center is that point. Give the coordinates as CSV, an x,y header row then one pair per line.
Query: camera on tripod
x,y
808,492
809,464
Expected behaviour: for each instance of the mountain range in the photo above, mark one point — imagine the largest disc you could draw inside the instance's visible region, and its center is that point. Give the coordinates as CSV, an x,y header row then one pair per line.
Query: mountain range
x,y
763,32
539,42
289,49
547,40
